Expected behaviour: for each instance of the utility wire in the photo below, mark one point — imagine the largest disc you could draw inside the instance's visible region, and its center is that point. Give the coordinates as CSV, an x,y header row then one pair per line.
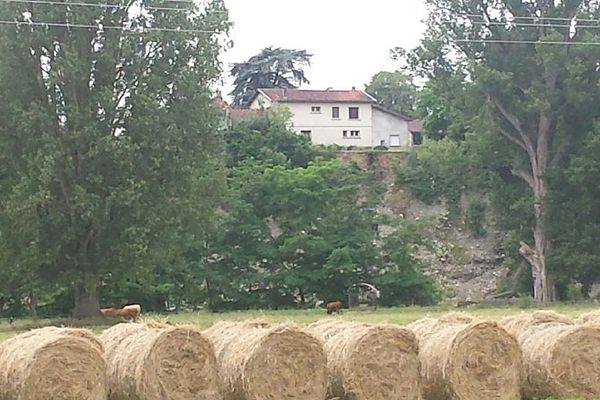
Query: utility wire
x,y
501,41
539,25
482,41
104,5
536,18
103,27
97,5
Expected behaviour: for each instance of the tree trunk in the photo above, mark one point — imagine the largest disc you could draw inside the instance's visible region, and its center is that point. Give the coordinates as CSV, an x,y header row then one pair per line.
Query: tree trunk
x,y
302,297
32,302
543,288
87,303
208,295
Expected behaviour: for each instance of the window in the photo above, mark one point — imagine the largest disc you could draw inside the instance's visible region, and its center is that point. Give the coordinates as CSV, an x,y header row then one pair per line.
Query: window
x,y
355,134
353,112
394,140
306,133
335,112
417,138
345,134
351,134
315,109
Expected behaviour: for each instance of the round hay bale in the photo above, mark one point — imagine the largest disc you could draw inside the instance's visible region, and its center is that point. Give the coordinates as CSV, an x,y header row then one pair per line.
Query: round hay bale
x,y
260,361
370,362
464,358
560,358
592,317
519,323
53,363
154,362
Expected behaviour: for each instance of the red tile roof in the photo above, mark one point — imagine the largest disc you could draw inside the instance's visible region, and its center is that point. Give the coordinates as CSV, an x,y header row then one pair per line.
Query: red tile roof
x,y
415,125
314,96
244,114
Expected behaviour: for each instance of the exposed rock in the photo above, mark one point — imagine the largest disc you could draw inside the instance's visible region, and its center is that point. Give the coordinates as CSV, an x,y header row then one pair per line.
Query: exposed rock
x,y
468,268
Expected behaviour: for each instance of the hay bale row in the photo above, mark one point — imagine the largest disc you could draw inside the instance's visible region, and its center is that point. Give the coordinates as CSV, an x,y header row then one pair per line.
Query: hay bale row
x,y
53,363
560,357
590,317
159,362
463,358
457,357
370,362
268,362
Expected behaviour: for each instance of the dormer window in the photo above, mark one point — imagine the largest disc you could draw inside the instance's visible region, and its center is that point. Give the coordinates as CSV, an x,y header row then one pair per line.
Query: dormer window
x,y
315,109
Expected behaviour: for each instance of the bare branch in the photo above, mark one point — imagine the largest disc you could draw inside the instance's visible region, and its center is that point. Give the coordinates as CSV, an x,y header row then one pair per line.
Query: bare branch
x,y
525,176
512,138
530,255
514,121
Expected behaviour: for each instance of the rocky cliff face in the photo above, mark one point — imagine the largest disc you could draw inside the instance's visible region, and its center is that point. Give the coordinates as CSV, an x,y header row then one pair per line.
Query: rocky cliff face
x,y
467,267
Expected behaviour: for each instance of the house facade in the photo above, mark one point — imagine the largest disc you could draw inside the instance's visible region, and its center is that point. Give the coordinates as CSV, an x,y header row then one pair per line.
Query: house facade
x,y
339,117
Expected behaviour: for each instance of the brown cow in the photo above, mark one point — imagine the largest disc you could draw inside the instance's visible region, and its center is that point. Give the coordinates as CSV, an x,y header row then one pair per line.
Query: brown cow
x,y
129,313
334,307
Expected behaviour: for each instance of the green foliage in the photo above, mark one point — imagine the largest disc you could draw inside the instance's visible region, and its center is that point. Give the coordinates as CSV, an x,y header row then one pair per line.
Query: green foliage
x,y
575,222
476,217
271,68
268,141
109,156
443,107
294,232
401,278
537,98
393,90
525,302
437,169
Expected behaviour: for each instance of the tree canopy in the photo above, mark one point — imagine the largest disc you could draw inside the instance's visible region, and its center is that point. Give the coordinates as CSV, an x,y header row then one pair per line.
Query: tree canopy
x,y
394,90
271,68
527,63
108,145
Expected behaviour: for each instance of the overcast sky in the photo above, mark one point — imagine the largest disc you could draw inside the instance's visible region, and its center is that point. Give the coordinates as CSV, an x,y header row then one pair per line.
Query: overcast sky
x,y
350,39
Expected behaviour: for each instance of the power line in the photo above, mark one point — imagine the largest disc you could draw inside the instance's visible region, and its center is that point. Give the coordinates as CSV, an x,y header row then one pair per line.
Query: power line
x,y
104,5
536,18
99,27
97,5
500,41
538,25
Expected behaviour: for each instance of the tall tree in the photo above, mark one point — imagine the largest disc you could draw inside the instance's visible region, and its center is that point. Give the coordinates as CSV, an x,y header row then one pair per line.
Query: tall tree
x,y
271,68
575,223
394,90
537,80
108,144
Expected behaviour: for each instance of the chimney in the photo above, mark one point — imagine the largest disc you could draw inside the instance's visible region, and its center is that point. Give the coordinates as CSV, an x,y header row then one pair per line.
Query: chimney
x,y
353,88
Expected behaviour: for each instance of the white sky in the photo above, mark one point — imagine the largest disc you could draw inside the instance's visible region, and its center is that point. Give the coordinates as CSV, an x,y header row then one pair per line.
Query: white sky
x,y
350,39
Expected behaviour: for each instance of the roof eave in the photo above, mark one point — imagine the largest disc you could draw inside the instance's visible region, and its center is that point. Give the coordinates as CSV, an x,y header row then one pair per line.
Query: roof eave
x,y
260,91
392,112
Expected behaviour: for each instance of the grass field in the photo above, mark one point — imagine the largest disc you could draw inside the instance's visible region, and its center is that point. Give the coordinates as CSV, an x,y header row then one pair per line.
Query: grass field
x,y
203,319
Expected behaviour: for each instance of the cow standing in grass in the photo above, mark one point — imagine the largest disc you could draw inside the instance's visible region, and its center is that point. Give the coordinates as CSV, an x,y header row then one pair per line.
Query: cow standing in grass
x,y
334,307
128,313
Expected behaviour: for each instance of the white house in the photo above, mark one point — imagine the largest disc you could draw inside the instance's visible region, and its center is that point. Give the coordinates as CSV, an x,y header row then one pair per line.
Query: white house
x,y
341,117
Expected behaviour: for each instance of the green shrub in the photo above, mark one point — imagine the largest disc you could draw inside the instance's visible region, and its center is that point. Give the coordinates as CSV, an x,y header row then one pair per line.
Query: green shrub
x,y
476,217
525,302
574,292
438,170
